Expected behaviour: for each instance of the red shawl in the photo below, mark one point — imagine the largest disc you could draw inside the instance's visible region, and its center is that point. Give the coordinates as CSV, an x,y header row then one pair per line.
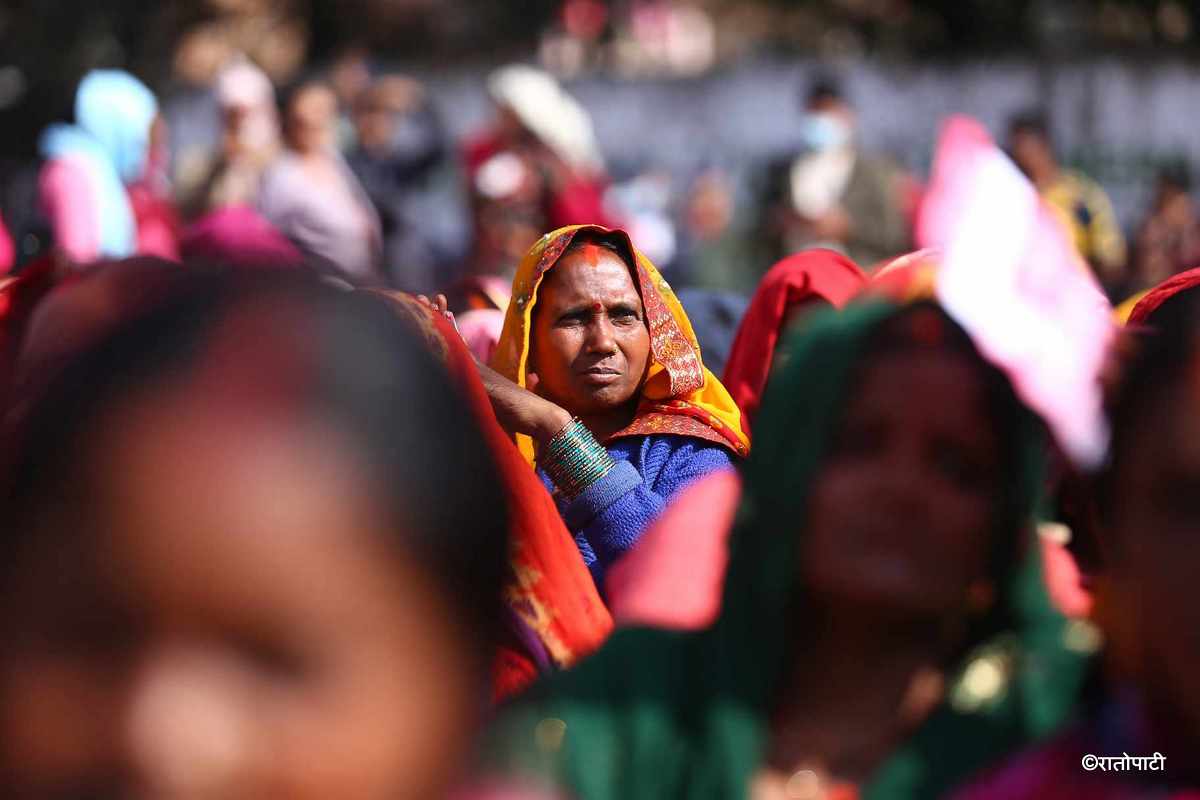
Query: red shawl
x,y
1161,294
814,275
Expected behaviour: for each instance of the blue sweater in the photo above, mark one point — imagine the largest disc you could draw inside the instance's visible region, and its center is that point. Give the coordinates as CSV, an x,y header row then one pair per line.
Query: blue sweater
x,y
613,513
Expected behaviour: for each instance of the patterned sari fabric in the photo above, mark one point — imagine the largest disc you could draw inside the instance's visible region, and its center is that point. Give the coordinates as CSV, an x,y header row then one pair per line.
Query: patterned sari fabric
x,y
550,592
679,395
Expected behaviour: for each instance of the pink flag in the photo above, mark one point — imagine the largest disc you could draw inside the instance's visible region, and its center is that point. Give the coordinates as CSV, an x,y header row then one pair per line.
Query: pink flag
x,y
1011,278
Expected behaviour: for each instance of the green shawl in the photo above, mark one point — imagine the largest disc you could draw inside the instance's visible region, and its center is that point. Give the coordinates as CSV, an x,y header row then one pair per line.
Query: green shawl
x,y
658,715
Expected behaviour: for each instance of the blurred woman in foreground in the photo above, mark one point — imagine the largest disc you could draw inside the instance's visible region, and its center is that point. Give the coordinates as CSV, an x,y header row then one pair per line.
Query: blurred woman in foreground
x,y
238,562
874,565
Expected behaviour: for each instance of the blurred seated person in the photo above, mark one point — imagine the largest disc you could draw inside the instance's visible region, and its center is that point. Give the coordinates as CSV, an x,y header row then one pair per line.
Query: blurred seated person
x,y
713,247
1080,202
159,226
249,141
400,156
1143,578
83,183
1168,240
872,639
312,197
240,565
536,168
837,196
598,374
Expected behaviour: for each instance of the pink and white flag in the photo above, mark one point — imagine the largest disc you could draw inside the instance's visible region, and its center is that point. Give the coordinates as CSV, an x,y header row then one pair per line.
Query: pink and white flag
x,y
1010,276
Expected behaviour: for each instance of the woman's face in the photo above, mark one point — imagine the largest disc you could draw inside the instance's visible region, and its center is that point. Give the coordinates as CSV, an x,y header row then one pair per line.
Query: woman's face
x,y
1147,586
901,512
214,609
590,343
311,118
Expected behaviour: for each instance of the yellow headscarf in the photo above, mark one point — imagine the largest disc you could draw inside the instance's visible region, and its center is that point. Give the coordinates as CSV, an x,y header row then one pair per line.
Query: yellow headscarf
x,y
679,396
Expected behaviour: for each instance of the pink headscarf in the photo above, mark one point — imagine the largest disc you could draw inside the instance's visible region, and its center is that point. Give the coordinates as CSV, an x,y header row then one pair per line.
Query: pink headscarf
x,y
480,329
239,236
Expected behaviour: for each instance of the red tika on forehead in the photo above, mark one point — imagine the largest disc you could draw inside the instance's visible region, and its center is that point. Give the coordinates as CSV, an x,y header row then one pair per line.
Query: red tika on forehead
x,y
591,253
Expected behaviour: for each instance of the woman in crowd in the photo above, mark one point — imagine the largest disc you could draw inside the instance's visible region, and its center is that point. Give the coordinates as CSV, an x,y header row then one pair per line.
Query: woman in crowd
x,y
88,164
249,142
1143,579
401,158
886,507
310,194
238,562
536,167
600,377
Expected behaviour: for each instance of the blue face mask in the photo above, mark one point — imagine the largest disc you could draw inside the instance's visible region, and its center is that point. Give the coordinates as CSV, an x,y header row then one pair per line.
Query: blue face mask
x,y
821,131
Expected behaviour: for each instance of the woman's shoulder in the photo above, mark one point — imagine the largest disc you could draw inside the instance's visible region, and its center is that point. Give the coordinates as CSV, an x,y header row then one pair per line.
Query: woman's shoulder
x,y
672,444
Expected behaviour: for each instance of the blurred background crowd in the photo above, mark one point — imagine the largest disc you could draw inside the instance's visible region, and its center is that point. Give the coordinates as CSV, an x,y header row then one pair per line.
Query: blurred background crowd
x,y
761,126
596,399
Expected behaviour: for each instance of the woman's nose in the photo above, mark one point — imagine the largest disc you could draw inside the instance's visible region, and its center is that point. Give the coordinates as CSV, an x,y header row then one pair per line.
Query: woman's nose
x,y
600,336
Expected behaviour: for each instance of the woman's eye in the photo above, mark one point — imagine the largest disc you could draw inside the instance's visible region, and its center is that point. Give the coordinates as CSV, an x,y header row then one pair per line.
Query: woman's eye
x,y
625,318
959,467
273,658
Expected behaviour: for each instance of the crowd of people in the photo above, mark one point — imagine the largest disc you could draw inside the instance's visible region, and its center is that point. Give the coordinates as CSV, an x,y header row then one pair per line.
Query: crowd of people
x,y
300,497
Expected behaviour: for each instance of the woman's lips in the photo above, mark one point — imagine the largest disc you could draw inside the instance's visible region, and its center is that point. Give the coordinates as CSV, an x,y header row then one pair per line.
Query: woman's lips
x,y
600,376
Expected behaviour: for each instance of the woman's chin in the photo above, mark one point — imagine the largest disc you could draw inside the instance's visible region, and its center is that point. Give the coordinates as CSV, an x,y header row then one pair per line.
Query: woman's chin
x,y
608,398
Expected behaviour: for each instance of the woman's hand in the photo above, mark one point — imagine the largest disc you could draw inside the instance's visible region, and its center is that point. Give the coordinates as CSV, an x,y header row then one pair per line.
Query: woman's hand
x,y
438,304
520,410
517,409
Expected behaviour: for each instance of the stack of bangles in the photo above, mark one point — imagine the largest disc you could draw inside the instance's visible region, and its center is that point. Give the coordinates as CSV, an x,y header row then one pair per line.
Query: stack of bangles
x,y
574,460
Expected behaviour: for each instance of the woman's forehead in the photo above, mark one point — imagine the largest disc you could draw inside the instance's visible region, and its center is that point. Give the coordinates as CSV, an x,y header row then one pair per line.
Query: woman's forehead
x,y
583,273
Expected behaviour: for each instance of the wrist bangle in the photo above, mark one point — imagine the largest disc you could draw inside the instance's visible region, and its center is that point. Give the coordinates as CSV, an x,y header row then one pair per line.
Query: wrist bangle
x,y
574,460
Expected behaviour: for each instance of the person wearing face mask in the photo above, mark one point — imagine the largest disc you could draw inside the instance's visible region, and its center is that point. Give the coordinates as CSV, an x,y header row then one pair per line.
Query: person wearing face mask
x,y
834,195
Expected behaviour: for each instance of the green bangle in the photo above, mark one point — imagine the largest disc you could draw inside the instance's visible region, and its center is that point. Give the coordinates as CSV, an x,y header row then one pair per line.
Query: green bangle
x,y
574,460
